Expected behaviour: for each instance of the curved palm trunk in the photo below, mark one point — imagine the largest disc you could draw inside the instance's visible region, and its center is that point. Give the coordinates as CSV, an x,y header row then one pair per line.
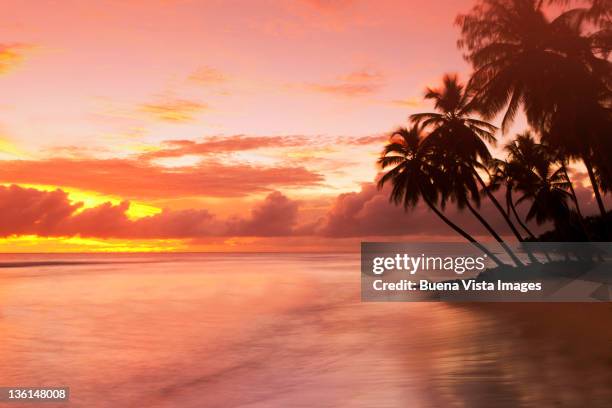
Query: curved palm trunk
x,y
521,223
461,232
587,233
494,234
532,257
510,204
602,209
517,217
589,166
573,193
499,207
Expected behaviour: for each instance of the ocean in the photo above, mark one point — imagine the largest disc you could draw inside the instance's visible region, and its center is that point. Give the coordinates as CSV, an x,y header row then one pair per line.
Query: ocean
x,y
281,330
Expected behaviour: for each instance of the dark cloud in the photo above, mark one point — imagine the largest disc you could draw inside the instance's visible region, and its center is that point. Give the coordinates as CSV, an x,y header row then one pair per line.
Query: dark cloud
x,y
369,213
27,211
277,215
366,213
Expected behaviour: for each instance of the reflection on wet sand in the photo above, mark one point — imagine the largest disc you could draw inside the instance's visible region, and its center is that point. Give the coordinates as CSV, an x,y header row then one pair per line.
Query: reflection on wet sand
x,y
286,330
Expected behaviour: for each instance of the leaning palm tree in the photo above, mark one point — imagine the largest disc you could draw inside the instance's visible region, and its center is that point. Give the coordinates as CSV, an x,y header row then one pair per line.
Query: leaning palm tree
x,y
524,155
460,135
414,177
557,73
506,173
528,169
462,188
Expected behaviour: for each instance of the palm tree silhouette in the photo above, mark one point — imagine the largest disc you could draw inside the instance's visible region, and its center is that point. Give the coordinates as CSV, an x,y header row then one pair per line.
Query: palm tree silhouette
x,y
559,76
505,173
546,188
560,158
462,137
523,155
414,176
461,187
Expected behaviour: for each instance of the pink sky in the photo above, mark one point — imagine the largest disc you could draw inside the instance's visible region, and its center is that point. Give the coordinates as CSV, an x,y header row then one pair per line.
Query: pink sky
x,y
224,124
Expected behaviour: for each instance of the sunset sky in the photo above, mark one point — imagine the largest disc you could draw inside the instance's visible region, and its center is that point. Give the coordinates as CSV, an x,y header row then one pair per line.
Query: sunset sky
x,y
210,125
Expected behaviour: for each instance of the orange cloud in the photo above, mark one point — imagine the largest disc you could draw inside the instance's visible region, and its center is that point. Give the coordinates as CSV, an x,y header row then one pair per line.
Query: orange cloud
x,y
358,83
237,143
174,110
11,55
410,102
345,89
367,140
207,76
142,180
363,76
221,144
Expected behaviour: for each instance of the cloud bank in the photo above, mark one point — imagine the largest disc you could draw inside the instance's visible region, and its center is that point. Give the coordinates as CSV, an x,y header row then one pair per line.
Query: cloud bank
x,y
27,211
131,178
366,213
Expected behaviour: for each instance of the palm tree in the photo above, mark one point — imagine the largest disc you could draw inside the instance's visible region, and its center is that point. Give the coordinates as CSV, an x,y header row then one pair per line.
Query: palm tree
x,y
414,177
460,186
506,173
598,12
547,191
604,166
579,130
463,137
525,170
559,76
560,158
524,154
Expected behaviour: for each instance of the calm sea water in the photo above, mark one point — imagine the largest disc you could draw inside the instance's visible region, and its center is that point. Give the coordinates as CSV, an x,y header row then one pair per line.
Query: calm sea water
x,y
272,330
